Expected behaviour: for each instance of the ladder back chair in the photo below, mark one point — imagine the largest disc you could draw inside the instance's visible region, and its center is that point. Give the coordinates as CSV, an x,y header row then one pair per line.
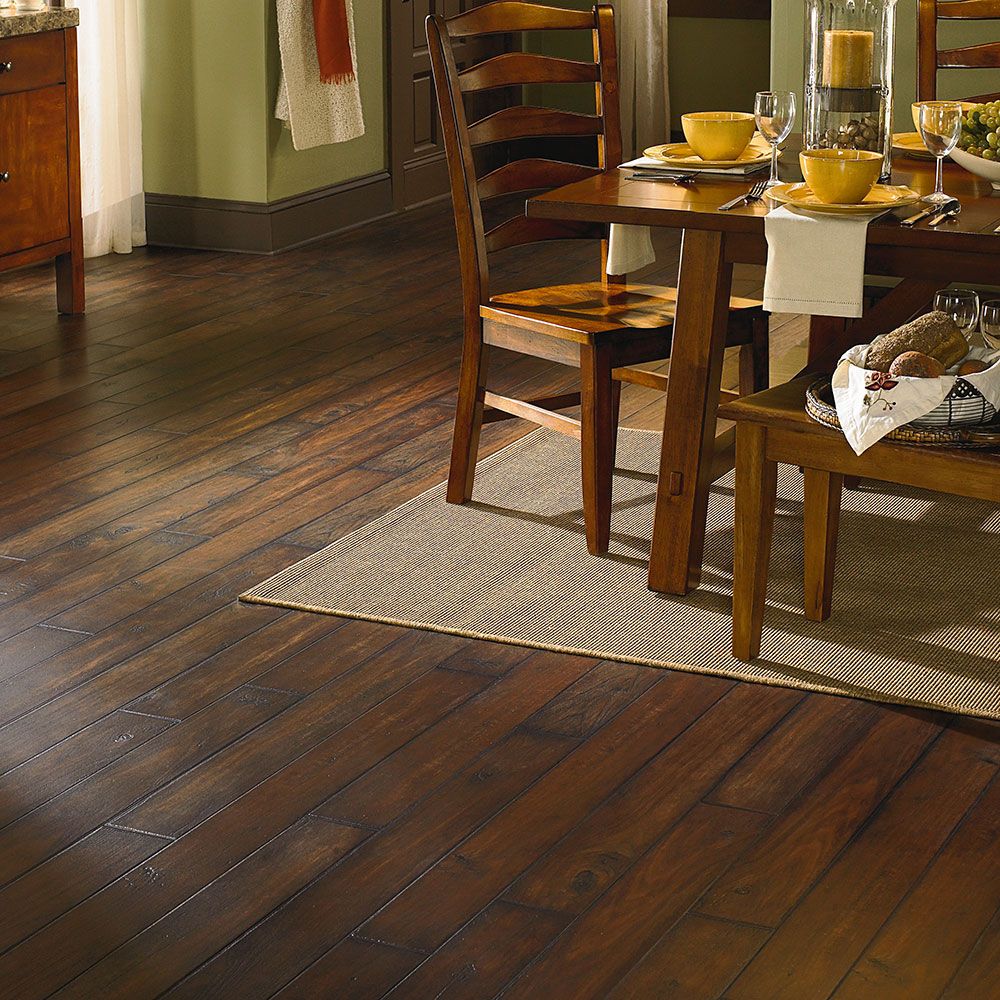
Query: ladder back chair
x,y
601,327
930,58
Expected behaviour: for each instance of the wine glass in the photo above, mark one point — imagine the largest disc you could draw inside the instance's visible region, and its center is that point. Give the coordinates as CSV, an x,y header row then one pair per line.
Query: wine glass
x,y
991,324
962,305
775,114
940,128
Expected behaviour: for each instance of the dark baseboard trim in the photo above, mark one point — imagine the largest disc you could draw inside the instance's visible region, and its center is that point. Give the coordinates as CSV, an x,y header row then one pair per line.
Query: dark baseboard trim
x,y
266,227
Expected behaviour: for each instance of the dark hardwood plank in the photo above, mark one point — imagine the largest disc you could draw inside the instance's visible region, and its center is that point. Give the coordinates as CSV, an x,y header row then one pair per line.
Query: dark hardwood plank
x,y
767,883
195,930
924,942
870,876
356,969
70,877
270,956
675,968
602,944
66,947
478,961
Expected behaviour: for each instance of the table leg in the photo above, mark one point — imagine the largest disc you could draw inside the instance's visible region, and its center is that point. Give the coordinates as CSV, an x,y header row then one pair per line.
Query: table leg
x,y
688,448
829,337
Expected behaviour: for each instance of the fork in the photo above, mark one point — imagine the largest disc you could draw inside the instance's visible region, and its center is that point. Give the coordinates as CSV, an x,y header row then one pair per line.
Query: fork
x,y
756,193
670,178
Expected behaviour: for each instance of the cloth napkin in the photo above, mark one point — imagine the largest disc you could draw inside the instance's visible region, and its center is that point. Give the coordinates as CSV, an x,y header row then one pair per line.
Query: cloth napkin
x,y
317,113
871,404
815,263
629,248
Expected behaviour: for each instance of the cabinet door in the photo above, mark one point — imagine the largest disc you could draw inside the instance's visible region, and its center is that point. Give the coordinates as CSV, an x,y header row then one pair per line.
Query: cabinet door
x,y
416,153
34,197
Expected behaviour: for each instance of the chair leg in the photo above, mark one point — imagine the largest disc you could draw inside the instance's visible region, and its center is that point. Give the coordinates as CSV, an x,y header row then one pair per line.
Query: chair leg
x,y
755,364
821,524
598,428
468,418
756,486
616,410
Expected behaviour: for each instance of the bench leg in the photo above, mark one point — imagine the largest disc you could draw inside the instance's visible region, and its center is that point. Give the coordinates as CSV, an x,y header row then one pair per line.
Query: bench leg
x,y
821,524
756,483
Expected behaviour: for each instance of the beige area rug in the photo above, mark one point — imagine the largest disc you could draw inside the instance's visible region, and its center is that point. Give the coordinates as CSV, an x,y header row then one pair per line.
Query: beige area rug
x,y
916,606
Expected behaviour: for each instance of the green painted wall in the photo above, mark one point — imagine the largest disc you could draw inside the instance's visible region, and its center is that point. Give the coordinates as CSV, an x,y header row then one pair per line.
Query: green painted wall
x,y
291,172
715,64
788,44
209,78
203,79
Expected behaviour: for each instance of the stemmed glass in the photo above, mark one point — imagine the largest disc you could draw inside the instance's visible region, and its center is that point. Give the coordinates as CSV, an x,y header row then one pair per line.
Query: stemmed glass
x,y
940,128
962,305
775,114
991,324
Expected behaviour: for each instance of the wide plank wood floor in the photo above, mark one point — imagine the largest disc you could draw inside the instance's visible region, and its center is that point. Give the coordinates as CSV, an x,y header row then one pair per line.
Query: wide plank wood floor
x,y
201,799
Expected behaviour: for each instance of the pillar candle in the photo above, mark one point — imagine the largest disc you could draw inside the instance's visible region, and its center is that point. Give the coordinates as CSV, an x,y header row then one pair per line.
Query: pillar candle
x,y
848,58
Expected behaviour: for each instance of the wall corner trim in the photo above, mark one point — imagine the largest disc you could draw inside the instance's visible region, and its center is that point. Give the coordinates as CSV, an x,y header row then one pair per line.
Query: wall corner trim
x,y
267,227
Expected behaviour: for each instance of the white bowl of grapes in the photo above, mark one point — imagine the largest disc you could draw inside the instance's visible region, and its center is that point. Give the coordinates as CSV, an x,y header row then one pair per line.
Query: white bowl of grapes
x,y
978,148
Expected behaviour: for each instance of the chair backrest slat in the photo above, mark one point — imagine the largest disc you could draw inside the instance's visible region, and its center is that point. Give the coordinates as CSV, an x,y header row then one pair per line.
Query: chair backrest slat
x,y
531,175
517,122
930,59
521,230
970,57
522,122
510,15
512,69
969,10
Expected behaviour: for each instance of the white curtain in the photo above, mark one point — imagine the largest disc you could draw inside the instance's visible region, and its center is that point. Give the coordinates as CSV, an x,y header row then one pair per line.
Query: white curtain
x,y
114,216
642,70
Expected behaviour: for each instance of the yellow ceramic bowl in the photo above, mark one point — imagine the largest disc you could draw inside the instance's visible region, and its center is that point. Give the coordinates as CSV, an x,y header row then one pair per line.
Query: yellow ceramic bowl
x,y
840,176
967,106
718,135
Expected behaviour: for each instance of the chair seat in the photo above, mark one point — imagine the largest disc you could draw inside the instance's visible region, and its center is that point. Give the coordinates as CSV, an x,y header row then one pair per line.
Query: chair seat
x,y
591,311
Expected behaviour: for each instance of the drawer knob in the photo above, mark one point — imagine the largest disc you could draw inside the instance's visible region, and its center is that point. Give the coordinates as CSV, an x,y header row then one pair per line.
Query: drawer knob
x,y
4,176
6,66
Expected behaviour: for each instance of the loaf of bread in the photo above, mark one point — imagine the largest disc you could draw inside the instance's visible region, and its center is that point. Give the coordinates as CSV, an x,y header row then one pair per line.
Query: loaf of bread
x,y
936,335
916,365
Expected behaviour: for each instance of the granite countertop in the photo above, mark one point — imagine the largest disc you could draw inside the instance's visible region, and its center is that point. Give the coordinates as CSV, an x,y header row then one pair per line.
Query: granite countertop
x,y
24,22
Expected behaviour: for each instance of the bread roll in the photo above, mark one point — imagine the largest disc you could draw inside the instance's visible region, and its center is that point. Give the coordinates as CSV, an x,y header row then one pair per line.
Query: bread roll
x,y
916,365
973,366
936,335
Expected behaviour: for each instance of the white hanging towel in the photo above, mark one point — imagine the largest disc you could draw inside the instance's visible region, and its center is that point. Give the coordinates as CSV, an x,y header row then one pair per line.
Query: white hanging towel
x,y
317,113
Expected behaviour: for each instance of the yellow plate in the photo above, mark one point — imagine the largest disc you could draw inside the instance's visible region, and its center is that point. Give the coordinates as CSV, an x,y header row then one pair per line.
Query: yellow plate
x,y
680,154
910,144
882,198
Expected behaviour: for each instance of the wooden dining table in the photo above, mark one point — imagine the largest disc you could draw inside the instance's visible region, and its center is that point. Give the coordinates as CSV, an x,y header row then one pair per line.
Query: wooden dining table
x,y
692,454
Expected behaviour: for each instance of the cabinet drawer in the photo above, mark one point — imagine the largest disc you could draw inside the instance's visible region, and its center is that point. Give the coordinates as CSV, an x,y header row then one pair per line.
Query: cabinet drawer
x,y
34,198
34,60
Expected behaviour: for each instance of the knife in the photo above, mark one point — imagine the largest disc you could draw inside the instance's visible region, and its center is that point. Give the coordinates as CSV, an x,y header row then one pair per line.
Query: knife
x,y
926,213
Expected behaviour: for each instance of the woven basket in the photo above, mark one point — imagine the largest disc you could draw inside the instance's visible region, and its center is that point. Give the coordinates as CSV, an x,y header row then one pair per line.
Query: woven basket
x,y
820,406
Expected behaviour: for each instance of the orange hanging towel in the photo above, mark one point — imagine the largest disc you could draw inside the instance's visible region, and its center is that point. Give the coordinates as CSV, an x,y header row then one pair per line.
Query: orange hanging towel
x,y
333,41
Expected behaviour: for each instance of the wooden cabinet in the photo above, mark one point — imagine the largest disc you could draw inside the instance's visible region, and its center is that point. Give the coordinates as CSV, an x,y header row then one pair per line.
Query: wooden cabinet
x,y
40,159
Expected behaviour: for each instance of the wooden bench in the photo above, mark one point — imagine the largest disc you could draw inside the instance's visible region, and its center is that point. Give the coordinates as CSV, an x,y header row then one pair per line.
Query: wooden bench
x,y
773,427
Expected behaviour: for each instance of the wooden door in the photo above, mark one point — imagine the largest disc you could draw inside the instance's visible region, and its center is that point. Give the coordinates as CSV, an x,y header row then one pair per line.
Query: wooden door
x,y
417,158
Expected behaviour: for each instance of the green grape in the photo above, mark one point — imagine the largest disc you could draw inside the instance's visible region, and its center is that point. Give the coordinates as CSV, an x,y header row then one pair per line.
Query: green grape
x,y
989,154
993,139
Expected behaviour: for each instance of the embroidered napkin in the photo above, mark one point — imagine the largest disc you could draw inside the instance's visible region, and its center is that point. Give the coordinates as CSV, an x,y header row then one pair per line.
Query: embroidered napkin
x,y
871,404
815,263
